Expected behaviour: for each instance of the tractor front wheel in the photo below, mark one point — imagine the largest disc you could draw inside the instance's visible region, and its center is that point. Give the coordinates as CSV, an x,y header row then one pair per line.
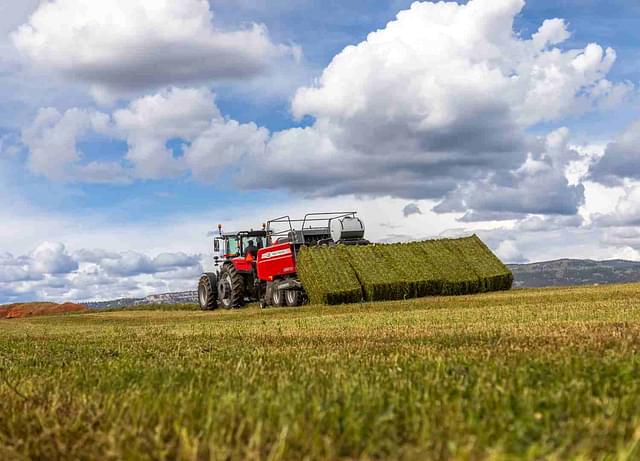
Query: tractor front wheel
x,y
208,292
230,288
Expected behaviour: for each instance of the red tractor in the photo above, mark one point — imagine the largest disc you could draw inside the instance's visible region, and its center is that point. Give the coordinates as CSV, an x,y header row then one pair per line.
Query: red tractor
x,y
260,265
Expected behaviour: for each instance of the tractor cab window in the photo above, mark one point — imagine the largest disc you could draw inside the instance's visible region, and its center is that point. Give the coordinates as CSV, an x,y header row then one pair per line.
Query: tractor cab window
x,y
232,246
258,242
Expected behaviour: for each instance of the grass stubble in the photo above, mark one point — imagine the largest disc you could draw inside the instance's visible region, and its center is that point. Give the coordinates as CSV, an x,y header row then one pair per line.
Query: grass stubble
x,y
525,374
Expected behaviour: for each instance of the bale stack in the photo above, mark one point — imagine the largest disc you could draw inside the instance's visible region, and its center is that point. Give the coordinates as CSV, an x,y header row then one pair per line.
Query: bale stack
x,y
347,274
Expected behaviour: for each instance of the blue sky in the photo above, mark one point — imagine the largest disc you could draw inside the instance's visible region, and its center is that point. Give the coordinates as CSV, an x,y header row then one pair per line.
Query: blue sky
x,y
126,140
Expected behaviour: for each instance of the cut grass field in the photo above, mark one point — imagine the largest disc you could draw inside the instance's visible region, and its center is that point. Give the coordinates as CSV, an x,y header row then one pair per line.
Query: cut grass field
x,y
522,374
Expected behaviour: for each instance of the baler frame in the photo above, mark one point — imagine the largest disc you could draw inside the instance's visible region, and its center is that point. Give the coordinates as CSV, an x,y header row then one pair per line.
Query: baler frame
x,y
299,236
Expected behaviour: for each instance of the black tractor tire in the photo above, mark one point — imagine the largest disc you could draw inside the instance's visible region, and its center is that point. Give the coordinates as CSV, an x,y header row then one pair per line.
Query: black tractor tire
x,y
230,288
277,298
293,298
208,292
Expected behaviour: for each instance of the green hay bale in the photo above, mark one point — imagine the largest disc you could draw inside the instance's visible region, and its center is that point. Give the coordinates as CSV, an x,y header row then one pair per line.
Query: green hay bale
x,y
412,266
492,273
457,277
326,277
377,276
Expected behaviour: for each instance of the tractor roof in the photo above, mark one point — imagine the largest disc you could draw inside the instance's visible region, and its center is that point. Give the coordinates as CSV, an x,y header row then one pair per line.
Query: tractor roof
x,y
251,233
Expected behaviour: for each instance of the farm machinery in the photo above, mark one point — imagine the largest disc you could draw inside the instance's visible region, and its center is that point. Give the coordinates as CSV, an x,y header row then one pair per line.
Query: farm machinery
x,y
260,265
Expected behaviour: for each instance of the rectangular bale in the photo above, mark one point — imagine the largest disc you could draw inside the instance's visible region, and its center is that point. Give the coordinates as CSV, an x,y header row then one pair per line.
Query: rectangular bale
x,y
326,277
422,277
493,274
457,277
379,280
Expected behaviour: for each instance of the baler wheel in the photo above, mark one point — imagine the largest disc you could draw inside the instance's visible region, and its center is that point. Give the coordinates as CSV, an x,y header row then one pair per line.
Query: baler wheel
x,y
277,298
230,287
293,298
208,292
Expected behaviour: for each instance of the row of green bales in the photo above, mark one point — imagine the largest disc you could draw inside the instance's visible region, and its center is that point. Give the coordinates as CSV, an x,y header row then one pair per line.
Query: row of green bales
x,y
350,274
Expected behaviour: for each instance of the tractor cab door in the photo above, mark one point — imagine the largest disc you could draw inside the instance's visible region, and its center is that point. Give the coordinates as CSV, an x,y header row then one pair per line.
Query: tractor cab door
x,y
232,247
225,248
219,244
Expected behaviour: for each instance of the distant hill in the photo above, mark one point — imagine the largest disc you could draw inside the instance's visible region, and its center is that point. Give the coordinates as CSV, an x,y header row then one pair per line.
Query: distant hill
x,y
565,272
166,298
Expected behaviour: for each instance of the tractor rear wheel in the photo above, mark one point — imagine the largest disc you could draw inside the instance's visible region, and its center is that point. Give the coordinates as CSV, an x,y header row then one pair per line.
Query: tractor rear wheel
x,y
293,298
208,292
277,298
230,287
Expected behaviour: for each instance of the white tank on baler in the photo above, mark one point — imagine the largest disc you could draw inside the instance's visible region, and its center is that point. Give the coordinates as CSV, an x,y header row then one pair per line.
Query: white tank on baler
x,y
347,228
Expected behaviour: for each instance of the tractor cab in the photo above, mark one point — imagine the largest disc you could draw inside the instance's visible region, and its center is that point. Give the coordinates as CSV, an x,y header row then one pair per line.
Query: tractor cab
x,y
232,246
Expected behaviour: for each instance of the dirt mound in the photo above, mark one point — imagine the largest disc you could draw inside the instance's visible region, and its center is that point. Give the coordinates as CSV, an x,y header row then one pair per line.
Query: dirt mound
x,y
15,311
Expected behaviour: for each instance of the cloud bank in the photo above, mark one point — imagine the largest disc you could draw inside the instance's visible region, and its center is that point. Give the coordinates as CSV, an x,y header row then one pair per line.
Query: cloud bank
x,y
436,105
52,272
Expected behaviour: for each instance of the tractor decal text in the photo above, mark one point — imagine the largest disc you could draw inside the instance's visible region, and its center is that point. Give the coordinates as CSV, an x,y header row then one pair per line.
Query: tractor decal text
x,y
275,254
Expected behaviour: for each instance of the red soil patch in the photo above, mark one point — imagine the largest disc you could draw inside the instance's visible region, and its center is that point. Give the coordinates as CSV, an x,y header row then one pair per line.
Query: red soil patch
x,y
15,311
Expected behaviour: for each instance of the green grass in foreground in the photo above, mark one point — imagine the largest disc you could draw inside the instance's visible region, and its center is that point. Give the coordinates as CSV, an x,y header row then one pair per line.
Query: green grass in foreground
x,y
521,374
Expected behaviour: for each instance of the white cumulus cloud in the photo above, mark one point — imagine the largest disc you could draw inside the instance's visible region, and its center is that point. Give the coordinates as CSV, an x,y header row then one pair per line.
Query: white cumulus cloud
x,y
625,212
509,252
621,159
52,140
118,46
52,258
148,123
168,134
538,186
